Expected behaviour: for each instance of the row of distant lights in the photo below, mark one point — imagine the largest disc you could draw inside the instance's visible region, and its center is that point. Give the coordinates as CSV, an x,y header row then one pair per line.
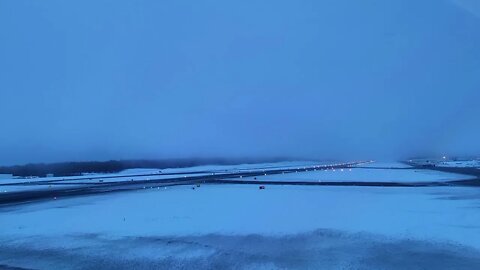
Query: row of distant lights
x,y
325,167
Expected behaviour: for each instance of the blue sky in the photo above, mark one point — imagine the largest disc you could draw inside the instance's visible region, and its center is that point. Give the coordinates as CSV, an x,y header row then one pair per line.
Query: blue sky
x,y
83,80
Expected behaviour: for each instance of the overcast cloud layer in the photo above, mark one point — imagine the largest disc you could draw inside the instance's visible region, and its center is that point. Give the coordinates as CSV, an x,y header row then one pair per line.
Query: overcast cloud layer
x,y
83,80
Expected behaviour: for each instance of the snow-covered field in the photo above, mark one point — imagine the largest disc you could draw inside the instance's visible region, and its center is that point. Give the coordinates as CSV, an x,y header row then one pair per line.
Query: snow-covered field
x,y
169,173
243,227
132,175
385,165
421,213
371,172
441,218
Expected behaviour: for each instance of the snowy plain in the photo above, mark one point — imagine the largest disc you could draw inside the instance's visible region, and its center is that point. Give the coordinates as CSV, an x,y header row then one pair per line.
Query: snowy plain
x,y
168,173
143,174
426,213
182,223
371,172
244,227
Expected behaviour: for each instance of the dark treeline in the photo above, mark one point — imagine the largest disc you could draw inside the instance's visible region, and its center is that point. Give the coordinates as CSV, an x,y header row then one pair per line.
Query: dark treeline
x,y
112,166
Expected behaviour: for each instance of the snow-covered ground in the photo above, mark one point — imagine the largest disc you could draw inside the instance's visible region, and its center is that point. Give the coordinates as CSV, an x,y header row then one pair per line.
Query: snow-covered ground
x,y
440,218
142,174
69,182
425,213
169,173
385,164
226,226
248,167
371,172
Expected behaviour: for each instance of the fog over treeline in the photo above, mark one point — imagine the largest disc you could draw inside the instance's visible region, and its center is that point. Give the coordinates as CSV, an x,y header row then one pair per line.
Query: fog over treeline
x,y
101,80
